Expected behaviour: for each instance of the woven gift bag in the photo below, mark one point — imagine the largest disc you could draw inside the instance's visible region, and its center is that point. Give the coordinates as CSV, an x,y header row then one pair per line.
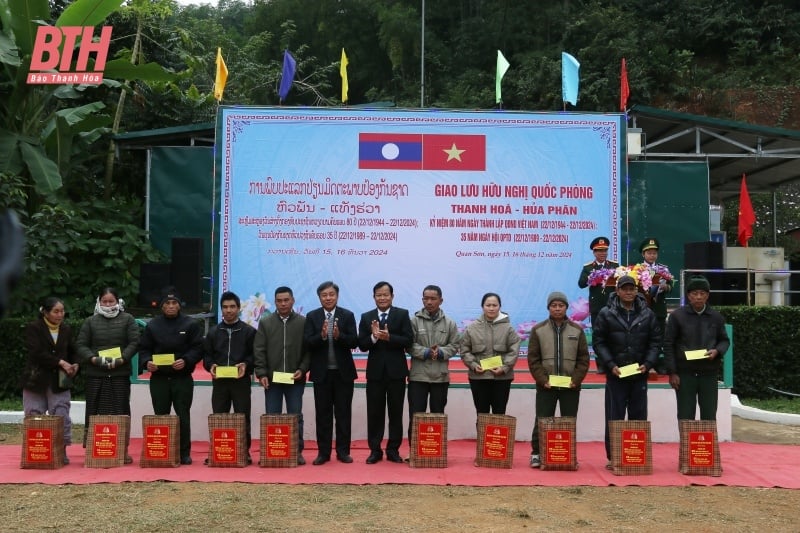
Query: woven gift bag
x,y
631,447
428,441
227,440
160,441
496,434
107,443
699,448
42,442
557,449
279,439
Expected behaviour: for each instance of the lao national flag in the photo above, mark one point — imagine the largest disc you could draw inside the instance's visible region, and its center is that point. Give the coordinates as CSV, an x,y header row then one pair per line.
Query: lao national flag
x,y
454,152
421,151
390,151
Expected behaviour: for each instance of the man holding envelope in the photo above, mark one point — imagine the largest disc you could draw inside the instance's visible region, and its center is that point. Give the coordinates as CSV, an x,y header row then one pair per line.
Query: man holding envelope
x,y
228,356
281,360
170,347
558,358
694,344
626,340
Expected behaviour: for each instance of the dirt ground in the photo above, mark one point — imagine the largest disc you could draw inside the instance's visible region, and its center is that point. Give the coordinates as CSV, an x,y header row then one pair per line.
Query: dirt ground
x,y
176,507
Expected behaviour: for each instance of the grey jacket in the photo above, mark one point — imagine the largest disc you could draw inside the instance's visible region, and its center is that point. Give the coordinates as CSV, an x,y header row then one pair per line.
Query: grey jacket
x,y
484,339
441,332
279,346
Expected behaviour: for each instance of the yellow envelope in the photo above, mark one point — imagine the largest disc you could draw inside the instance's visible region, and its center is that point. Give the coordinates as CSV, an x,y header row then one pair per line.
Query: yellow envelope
x,y
696,354
283,377
560,381
491,362
629,370
227,372
163,359
113,353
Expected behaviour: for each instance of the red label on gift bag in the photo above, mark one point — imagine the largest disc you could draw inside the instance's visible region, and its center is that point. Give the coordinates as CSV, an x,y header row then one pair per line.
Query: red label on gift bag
x,y
105,441
634,447
40,446
495,445
278,441
558,446
156,442
223,445
701,448
430,440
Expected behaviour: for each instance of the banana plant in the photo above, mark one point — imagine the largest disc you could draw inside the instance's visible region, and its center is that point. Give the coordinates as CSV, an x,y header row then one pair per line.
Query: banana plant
x,y
42,129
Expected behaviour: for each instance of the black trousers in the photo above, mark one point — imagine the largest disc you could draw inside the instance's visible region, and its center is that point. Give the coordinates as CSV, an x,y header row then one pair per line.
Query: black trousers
x,y
490,395
333,398
175,392
227,393
385,396
624,395
419,392
546,402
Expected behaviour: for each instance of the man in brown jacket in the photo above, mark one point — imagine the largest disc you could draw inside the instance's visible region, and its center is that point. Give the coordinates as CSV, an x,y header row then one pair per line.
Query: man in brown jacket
x,y
557,347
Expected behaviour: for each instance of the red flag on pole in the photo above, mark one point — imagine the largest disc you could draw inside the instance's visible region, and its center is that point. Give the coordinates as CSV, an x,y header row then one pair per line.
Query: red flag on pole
x,y
624,90
747,216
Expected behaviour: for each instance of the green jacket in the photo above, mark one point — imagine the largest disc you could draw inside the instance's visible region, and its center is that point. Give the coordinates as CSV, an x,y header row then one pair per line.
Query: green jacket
x,y
279,346
441,332
100,333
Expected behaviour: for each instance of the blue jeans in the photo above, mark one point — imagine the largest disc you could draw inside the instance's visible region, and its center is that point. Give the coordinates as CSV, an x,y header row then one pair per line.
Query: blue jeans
x,y
273,398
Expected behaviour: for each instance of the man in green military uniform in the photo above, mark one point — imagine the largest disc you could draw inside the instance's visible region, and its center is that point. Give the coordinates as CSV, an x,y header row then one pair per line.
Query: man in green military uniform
x,y
657,293
598,294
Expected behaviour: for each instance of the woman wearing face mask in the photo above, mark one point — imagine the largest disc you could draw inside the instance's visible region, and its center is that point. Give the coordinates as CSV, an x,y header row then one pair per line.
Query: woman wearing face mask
x,y
491,335
50,349
106,343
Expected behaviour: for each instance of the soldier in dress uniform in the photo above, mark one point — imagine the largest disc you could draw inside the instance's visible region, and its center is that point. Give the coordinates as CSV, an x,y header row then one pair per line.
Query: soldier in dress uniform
x,y
598,294
657,293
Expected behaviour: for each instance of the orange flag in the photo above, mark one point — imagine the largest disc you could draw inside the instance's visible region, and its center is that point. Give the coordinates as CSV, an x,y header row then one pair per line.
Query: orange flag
x,y
624,90
747,216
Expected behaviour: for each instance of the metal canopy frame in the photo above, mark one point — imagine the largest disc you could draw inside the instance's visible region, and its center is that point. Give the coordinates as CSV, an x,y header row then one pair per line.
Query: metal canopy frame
x,y
770,157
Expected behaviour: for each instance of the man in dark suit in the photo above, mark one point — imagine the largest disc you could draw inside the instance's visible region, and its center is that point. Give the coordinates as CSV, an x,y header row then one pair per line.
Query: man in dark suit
x,y
330,335
385,332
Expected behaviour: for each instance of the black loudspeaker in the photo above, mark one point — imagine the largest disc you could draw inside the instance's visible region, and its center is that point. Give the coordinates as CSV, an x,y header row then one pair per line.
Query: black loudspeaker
x,y
702,255
187,262
152,278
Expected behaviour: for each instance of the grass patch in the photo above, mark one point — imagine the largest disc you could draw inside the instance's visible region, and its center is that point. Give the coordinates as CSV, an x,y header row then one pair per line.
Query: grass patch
x,y
11,404
776,405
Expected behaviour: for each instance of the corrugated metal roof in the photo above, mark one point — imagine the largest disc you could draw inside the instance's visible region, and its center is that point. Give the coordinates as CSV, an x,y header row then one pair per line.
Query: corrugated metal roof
x,y
770,157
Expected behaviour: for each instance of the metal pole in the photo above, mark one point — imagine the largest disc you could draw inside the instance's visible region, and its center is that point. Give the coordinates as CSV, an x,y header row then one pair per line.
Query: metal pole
x,y
422,62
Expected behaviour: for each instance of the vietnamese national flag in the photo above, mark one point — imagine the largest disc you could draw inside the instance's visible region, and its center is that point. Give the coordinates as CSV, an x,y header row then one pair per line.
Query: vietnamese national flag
x,y
409,151
454,152
624,88
747,217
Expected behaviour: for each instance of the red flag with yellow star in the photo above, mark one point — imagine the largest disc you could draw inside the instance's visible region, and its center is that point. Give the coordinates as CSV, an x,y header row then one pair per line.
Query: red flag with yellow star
x,y
454,152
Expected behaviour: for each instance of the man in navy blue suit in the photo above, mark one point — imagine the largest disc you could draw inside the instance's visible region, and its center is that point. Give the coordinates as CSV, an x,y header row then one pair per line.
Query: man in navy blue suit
x,y
385,332
330,335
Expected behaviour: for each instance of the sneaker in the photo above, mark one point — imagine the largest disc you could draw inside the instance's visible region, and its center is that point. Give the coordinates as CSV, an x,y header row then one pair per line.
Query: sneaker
x,y
301,460
186,460
535,461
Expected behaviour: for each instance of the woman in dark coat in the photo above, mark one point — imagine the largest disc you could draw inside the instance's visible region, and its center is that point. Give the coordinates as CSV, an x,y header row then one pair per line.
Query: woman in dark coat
x,y
50,350
106,344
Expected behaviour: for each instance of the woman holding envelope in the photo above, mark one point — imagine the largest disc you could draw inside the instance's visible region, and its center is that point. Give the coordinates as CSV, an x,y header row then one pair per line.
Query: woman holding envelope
x,y
106,343
489,348
50,363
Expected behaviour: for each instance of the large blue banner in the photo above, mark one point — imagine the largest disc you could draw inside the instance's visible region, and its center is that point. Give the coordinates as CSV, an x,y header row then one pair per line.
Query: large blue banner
x,y
473,202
